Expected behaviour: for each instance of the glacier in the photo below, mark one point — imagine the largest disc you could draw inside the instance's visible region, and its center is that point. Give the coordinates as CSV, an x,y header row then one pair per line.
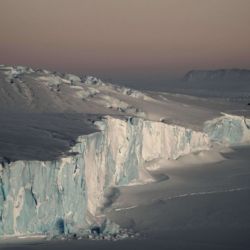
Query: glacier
x,y
64,196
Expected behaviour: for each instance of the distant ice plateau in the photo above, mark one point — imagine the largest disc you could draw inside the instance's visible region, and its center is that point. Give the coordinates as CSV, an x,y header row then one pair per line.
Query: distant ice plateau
x,y
124,132
236,75
230,84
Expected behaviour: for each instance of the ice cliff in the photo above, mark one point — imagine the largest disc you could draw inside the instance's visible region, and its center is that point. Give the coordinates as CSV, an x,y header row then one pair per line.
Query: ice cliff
x,y
63,196
229,129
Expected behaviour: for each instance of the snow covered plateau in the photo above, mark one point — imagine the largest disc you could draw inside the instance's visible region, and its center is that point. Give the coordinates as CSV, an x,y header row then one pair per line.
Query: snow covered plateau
x,y
67,143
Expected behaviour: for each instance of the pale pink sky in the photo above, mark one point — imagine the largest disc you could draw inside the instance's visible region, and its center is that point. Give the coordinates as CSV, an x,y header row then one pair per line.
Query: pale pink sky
x,y
125,37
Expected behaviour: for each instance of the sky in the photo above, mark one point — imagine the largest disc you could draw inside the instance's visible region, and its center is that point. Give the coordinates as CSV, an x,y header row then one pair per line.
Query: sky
x,y
126,40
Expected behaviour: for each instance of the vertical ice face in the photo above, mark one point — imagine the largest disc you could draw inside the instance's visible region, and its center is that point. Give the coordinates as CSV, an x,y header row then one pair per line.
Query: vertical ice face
x,y
63,196
43,197
2,200
169,141
229,129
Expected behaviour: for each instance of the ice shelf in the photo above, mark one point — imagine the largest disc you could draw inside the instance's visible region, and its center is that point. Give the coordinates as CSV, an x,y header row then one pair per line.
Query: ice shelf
x,y
63,196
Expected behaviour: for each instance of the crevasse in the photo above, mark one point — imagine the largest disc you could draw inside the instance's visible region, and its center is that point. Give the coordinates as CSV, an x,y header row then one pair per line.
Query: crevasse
x,y
63,196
